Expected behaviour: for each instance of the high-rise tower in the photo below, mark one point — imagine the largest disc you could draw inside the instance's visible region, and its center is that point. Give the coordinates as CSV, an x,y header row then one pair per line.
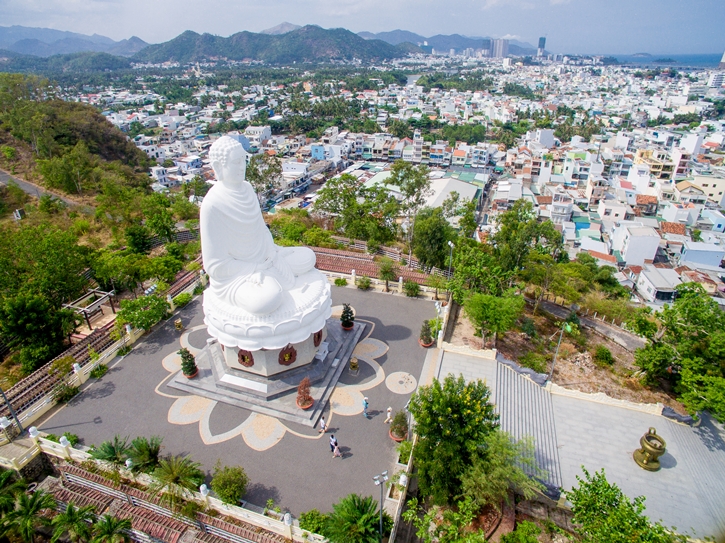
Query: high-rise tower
x,y
722,62
542,46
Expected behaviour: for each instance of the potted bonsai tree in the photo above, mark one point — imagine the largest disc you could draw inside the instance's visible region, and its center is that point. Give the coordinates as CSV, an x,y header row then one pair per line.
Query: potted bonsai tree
x,y
426,337
347,318
188,363
399,427
304,398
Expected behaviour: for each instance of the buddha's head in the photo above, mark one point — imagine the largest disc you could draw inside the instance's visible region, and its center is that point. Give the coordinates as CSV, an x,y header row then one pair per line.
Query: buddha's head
x,y
229,161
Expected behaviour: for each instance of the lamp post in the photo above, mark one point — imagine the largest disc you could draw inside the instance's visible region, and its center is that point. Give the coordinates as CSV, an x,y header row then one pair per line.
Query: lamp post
x,y
564,326
12,411
380,481
450,261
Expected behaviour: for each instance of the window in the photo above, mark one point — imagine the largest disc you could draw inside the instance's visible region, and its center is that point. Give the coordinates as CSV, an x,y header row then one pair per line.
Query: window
x,y
607,212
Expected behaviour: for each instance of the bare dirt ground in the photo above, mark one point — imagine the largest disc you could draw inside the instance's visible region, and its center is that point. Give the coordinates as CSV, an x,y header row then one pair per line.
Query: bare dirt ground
x,y
575,368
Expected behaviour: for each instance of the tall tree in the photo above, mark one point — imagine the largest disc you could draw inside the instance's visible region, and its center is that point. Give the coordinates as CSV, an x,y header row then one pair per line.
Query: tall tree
x,y
354,519
447,444
414,185
493,314
387,271
175,478
75,523
109,529
264,173
431,235
28,516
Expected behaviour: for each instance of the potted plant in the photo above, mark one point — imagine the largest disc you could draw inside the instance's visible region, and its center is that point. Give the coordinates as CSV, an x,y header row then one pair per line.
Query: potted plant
x,y
399,427
304,398
426,337
347,318
188,363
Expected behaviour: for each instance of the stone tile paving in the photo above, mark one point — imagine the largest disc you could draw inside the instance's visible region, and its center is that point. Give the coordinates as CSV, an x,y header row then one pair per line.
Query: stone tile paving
x,y
294,469
688,492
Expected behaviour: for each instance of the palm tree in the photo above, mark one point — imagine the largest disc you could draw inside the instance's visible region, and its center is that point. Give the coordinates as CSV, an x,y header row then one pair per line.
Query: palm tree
x,y
75,522
354,519
114,451
174,478
10,486
110,529
144,453
27,515
387,271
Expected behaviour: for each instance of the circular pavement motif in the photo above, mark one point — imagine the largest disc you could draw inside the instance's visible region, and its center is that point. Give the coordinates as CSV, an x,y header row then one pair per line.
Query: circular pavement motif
x,y
401,382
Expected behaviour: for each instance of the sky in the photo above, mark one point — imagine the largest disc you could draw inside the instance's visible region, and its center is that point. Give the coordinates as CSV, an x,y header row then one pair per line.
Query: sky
x,y
570,26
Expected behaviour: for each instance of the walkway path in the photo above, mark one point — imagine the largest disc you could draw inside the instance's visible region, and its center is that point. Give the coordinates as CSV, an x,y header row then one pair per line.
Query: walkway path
x,y
571,432
33,189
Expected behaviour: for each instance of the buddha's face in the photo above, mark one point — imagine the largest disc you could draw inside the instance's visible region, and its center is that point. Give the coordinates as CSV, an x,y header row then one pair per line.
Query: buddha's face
x,y
234,170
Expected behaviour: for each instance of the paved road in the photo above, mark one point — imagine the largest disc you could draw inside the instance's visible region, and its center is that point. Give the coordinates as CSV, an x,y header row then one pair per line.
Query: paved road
x,y
619,336
298,472
33,190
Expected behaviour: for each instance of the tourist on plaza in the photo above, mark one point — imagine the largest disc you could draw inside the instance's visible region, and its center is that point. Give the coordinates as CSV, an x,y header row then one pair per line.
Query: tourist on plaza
x,y
333,443
389,418
336,452
323,425
365,407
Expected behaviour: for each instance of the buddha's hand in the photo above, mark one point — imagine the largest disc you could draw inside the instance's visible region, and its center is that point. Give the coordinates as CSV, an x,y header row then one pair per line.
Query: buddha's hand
x,y
266,264
257,278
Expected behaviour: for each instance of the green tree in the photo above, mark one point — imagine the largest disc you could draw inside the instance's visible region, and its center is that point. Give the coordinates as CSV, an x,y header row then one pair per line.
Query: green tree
x,y
502,464
75,523
493,314
313,521
414,185
431,234
452,419
476,269
71,172
525,532
10,487
540,270
162,268
264,173
109,529
115,451
229,483
159,217
174,480
467,223
603,513
400,129
142,312
387,271
27,517
354,519
138,238
144,453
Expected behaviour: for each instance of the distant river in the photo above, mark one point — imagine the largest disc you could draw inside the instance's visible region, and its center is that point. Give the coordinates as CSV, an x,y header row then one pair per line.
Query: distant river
x,y
681,61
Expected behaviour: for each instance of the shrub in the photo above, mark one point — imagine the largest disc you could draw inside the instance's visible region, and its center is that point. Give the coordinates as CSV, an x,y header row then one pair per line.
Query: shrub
x,y
411,289
534,361
198,289
347,318
188,362
99,371
425,333
80,227
182,299
313,521
304,398
73,439
573,318
399,424
339,282
363,282
528,327
229,483
63,392
123,351
603,356
525,532
8,152
404,449
435,326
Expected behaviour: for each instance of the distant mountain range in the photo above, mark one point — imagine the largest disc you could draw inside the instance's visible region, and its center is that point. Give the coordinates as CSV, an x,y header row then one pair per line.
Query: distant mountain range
x,y
46,42
281,28
442,42
304,44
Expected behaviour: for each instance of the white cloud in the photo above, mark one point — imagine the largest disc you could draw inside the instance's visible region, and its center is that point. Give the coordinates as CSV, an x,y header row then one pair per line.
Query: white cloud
x,y
511,37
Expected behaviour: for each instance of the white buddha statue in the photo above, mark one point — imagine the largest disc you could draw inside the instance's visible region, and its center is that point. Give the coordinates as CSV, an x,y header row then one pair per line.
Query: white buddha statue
x,y
260,295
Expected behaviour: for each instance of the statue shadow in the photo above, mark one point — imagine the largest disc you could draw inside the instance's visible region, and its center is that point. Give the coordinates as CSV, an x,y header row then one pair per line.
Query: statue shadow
x,y
259,493
667,461
390,332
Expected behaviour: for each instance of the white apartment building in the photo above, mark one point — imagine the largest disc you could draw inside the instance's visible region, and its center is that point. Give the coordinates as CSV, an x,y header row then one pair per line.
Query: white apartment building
x,y
636,244
712,184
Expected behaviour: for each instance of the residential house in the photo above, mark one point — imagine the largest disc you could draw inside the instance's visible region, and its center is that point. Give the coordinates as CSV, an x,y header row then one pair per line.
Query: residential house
x,y
700,254
635,244
688,193
712,185
657,284
613,210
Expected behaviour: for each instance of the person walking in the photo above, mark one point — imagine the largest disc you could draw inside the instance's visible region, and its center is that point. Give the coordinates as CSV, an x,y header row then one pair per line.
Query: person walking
x,y
323,425
365,407
389,418
336,453
333,443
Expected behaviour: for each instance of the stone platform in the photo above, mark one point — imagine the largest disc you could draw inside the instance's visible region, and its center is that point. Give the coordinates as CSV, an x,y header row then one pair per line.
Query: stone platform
x,y
275,396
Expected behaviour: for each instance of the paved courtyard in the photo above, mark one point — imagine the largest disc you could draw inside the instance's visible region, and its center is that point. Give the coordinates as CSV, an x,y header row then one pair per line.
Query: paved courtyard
x,y
569,432
286,462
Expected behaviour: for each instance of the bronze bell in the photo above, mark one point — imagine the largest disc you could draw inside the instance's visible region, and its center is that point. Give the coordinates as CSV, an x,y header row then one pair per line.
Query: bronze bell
x,y
652,447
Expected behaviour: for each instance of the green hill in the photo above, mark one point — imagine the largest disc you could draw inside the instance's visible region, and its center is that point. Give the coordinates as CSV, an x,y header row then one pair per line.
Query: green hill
x,y
76,62
307,44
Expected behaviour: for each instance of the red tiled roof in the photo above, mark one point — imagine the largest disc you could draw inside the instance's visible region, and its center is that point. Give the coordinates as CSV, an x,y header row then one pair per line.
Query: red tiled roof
x,y
602,256
646,199
673,228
